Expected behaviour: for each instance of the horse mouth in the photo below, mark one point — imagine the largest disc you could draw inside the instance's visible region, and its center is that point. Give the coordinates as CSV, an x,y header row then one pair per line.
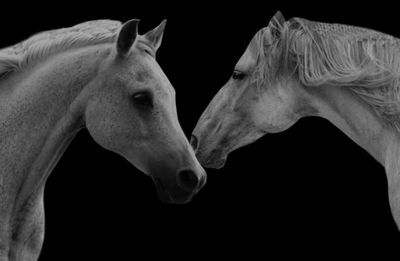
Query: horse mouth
x,y
216,160
182,197
162,193
216,164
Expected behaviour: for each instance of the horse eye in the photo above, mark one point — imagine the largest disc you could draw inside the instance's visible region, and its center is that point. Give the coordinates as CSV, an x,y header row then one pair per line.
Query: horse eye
x,y
149,52
238,75
143,99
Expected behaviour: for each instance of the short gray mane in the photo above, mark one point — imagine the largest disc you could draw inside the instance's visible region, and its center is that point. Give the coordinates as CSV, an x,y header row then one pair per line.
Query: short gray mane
x,y
45,44
318,53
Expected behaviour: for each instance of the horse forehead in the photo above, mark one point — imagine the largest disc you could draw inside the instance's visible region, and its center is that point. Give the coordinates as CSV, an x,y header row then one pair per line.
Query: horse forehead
x,y
248,59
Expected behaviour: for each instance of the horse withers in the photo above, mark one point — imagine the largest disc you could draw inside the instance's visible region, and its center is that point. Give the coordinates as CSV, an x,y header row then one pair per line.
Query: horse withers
x,y
98,75
297,68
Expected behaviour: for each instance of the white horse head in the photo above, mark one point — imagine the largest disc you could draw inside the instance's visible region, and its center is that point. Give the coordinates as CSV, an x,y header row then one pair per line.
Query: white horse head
x,y
252,103
132,111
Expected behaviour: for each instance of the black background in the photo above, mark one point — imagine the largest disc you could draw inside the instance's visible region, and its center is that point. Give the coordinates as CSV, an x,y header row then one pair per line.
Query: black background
x,y
306,189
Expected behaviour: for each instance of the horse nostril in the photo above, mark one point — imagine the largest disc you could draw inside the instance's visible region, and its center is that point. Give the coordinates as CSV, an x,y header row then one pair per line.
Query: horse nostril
x,y
194,142
188,180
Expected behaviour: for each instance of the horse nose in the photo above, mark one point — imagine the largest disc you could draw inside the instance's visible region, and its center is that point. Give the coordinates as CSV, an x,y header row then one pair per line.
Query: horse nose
x,y
194,142
188,180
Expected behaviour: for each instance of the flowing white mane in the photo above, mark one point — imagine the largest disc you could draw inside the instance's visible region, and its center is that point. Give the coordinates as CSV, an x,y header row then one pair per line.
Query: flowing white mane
x,y
45,44
318,53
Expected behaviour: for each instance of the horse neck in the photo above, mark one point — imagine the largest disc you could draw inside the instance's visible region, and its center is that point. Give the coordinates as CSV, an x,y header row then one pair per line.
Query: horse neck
x,y
39,118
356,119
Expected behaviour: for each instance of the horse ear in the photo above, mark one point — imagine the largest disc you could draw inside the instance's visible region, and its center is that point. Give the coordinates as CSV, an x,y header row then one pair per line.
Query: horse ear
x,y
155,36
127,36
276,24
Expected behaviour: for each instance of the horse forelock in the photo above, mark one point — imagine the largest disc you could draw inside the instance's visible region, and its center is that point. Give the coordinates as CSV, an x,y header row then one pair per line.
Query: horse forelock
x,y
318,53
264,49
48,43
